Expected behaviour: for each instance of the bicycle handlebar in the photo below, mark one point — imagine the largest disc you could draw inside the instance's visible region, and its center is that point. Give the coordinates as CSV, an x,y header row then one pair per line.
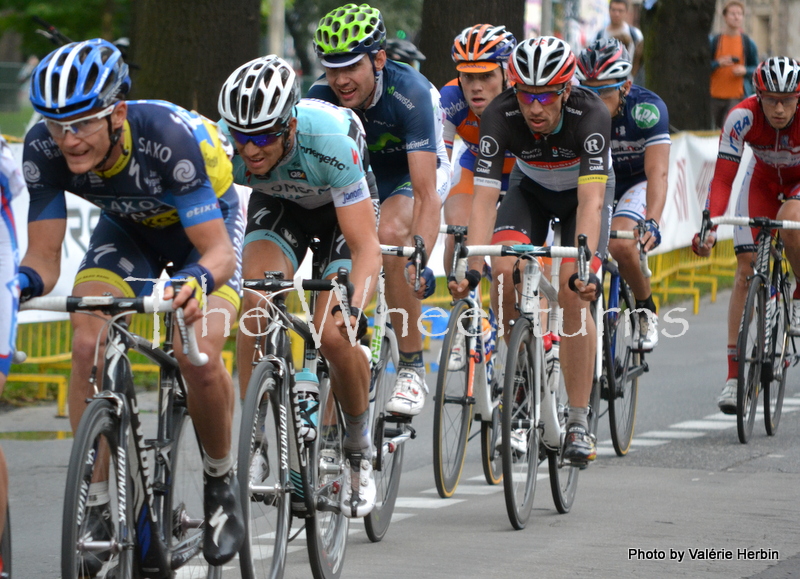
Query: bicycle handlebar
x,y
756,222
520,250
625,234
113,305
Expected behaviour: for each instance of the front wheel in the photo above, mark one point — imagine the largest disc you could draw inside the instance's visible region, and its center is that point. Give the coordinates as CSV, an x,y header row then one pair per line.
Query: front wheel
x,y
388,459
779,359
327,527
453,408
563,476
95,516
491,455
524,377
623,361
750,351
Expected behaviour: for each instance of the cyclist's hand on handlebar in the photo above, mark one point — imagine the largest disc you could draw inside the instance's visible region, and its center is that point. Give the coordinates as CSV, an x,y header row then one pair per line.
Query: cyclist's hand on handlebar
x,y
187,299
704,250
650,235
460,290
587,291
427,281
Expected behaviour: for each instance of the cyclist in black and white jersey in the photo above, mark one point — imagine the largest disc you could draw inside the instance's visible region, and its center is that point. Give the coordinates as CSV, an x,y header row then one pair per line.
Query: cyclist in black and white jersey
x,y
560,135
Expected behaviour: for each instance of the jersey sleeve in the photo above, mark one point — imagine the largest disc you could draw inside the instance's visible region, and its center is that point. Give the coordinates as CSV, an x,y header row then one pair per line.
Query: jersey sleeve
x,y
419,120
492,147
46,175
731,148
652,118
595,140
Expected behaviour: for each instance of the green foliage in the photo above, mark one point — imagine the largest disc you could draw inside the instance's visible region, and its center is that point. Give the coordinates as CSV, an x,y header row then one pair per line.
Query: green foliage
x,y
76,19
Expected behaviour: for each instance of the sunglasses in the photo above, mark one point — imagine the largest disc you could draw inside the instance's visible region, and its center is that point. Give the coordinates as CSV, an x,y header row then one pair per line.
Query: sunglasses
x,y
81,128
789,101
545,98
259,140
604,91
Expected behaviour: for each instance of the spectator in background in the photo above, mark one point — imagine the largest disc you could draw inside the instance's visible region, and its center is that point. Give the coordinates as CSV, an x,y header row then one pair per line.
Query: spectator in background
x,y
734,58
630,36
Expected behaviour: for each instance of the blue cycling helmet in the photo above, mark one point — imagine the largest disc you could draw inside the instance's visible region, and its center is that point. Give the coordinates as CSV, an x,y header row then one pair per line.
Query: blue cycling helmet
x,y
79,77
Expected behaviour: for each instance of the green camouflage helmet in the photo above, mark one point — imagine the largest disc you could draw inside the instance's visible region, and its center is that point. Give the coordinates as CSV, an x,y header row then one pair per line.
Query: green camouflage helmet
x,y
350,29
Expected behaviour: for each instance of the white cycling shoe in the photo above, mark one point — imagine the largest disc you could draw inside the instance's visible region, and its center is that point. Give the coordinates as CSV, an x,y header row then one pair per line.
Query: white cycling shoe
x,y
408,396
727,399
358,499
648,324
458,354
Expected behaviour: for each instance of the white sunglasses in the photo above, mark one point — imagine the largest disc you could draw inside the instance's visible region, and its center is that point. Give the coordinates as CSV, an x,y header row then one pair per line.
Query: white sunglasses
x,y
81,128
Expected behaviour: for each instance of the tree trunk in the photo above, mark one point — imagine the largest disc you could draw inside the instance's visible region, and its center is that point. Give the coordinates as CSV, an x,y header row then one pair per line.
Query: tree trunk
x,y
442,20
187,48
678,59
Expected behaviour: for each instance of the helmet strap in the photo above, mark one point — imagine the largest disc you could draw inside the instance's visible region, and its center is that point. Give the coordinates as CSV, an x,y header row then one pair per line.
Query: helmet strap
x,y
113,138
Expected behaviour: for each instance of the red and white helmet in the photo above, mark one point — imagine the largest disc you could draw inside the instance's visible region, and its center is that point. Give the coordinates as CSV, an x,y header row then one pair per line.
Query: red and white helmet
x,y
543,61
777,74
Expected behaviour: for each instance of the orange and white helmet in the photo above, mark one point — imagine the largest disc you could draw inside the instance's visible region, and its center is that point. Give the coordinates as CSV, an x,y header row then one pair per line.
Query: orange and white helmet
x,y
482,48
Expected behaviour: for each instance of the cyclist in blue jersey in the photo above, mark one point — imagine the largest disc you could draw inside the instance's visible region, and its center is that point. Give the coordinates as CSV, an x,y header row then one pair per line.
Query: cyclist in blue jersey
x,y
403,121
640,145
306,162
11,185
163,179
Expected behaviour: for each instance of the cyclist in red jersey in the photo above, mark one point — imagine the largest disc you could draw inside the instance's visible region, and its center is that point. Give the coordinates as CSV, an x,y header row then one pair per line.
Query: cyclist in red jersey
x,y
768,123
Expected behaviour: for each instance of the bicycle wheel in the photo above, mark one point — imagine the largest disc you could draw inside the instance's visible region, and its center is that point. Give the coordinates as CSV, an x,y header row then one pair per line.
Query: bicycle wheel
x,y
491,456
622,331
263,478
600,382
388,459
750,348
94,457
779,359
182,510
563,477
523,380
452,416
326,528
5,548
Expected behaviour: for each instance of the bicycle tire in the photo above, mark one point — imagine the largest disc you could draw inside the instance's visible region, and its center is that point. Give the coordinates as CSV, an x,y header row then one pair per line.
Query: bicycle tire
x,y
491,456
622,330
563,477
97,434
387,463
749,349
263,552
520,404
182,511
779,356
599,382
5,548
452,417
326,530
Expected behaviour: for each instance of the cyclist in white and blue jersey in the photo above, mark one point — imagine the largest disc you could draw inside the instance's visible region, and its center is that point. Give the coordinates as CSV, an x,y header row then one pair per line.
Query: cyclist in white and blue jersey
x,y
163,180
307,164
11,185
640,145
402,117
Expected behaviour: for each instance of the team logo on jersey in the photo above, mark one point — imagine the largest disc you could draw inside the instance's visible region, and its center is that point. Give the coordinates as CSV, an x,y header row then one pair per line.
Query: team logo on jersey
x,y
184,171
594,143
483,166
297,174
645,115
595,163
384,140
489,147
31,172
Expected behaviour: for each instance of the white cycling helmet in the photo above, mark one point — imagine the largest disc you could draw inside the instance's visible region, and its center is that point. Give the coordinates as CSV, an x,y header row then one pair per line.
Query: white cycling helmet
x,y
543,61
259,95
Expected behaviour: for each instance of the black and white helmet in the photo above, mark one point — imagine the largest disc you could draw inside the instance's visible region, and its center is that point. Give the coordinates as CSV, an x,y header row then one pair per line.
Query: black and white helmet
x,y
259,95
777,74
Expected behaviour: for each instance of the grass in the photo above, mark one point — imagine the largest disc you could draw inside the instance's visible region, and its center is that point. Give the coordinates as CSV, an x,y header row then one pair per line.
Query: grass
x,y
13,123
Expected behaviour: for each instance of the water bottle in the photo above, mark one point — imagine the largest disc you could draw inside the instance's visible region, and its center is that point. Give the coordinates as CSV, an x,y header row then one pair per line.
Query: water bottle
x,y
306,406
552,344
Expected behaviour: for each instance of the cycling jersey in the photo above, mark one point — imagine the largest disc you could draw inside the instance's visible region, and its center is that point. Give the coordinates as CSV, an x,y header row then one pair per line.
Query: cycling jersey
x,y
776,153
174,173
576,152
404,117
643,122
11,185
460,119
174,168
326,163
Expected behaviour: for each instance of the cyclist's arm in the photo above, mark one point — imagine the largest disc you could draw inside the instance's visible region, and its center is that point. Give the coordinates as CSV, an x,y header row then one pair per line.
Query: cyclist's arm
x,y
427,205
481,225
357,223
43,255
656,169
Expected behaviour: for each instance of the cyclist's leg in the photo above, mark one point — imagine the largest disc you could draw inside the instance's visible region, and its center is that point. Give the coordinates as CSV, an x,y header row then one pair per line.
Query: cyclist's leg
x,y
265,249
790,210
629,210
410,389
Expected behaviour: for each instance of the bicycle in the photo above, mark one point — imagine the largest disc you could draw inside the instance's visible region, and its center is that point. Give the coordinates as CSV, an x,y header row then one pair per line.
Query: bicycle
x,y
469,387
623,355
283,475
765,349
154,520
533,413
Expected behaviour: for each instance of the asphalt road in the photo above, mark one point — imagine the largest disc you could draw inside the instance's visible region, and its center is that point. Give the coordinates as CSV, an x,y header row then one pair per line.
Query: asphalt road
x,y
688,500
